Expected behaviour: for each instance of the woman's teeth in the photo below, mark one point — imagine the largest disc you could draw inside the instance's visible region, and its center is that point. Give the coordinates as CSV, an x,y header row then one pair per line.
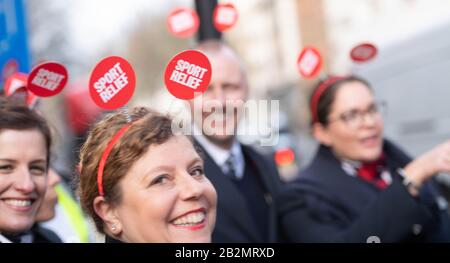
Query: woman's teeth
x,y
16,202
190,219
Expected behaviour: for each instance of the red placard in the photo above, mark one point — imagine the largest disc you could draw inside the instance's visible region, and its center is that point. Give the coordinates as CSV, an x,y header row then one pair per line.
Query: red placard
x,y
16,85
183,22
17,82
47,79
188,74
309,62
112,83
363,52
225,16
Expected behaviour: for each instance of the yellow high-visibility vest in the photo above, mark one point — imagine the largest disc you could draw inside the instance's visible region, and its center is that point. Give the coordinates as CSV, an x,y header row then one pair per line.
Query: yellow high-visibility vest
x,y
73,212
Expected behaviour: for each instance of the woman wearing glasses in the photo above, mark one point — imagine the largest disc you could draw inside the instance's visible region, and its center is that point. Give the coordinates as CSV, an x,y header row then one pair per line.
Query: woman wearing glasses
x,y
360,187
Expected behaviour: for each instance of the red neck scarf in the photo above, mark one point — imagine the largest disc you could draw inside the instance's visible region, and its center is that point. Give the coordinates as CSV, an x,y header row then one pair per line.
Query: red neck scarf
x,y
370,172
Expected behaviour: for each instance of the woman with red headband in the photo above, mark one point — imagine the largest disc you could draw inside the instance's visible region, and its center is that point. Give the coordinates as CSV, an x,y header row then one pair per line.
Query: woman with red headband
x,y
360,187
140,182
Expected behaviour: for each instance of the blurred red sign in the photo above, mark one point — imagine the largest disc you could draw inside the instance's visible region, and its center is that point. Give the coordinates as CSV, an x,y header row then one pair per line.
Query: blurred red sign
x,y
112,83
81,111
15,82
188,74
309,62
284,156
363,52
47,79
16,86
225,16
183,22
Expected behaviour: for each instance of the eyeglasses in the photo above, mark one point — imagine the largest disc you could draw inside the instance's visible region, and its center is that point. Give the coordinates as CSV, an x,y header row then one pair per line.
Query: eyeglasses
x,y
355,118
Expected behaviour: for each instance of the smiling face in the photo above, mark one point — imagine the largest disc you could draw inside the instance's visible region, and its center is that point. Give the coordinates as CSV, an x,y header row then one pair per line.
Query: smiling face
x,y
166,197
23,178
220,107
361,142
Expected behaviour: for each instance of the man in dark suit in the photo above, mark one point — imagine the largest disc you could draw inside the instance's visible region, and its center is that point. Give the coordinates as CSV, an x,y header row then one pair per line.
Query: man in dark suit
x,y
246,183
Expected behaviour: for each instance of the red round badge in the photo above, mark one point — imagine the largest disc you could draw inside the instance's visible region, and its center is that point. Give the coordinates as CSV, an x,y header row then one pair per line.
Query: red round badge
x,y
188,74
183,22
309,62
47,79
225,16
363,52
112,83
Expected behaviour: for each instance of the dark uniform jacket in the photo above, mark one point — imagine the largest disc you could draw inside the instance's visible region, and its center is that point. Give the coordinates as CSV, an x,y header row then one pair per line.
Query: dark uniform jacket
x,y
234,221
325,204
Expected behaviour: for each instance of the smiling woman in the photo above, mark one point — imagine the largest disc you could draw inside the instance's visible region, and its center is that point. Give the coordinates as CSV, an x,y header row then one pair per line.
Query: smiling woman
x,y
151,188
360,186
24,160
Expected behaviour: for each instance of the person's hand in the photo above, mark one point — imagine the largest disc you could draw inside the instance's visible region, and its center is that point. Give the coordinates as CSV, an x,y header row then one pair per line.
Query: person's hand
x,y
427,165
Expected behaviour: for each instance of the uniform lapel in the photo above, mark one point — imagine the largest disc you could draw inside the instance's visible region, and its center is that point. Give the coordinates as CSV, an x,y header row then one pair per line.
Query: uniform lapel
x,y
229,199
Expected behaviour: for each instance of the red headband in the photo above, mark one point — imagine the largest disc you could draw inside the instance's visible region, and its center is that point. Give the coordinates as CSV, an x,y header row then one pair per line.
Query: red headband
x,y
318,93
105,155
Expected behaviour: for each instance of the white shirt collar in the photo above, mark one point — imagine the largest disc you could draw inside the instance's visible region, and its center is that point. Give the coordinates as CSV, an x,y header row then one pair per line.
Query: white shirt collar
x,y
24,238
3,239
351,167
220,155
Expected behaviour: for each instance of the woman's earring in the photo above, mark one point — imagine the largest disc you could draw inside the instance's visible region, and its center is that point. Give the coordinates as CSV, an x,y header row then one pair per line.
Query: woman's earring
x,y
113,228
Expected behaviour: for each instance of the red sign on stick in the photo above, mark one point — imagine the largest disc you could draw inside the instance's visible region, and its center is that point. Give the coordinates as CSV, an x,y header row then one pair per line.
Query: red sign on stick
x,y
188,74
183,22
17,82
225,16
47,79
309,62
112,83
16,86
363,52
